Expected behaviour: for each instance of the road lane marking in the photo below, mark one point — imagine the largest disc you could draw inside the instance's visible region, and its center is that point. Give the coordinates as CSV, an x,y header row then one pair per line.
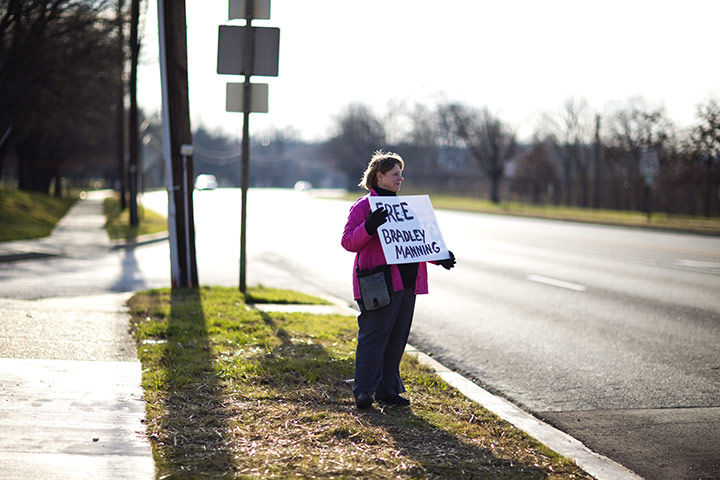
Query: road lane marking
x,y
556,283
697,264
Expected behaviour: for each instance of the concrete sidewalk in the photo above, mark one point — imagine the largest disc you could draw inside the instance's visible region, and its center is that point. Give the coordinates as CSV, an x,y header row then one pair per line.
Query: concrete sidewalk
x,y
80,232
71,405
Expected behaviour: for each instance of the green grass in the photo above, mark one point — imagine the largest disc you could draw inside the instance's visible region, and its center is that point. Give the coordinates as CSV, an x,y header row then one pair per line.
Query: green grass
x,y
118,221
658,220
26,215
233,392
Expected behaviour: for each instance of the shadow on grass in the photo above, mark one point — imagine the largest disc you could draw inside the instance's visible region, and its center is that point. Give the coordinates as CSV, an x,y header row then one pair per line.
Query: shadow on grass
x,y
440,454
196,418
293,364
310,381
288,412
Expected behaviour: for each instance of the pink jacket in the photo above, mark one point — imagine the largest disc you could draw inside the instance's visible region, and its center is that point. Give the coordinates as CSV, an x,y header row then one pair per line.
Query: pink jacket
x,y
369,251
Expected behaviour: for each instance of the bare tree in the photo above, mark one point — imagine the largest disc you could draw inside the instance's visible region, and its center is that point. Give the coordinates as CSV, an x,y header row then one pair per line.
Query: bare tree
x,y
570,130
58,60
424,130
358,132
634,129
397,121
415,137
705,144
490,141
535,173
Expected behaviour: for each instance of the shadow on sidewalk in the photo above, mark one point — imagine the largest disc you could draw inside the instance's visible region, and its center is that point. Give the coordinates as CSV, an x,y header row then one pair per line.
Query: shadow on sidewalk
x,y
131,278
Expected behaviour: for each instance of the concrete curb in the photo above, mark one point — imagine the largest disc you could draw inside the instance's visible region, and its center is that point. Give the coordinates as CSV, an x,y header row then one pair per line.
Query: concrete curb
x,y
40,250
139,241
16,257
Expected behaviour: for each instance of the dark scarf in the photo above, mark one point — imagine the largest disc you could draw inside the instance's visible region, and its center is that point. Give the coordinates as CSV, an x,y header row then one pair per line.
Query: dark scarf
x,y
384,193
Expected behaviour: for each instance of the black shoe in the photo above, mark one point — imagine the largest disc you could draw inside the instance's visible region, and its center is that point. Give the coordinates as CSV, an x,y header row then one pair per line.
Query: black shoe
x,y
363,401
395,400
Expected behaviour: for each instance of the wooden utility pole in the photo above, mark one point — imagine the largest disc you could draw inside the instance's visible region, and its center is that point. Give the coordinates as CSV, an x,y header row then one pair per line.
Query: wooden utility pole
x,y
121,107
133,118
178,142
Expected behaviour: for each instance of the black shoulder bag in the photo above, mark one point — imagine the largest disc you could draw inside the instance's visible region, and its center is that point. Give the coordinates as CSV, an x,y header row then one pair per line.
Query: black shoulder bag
x,y
374,286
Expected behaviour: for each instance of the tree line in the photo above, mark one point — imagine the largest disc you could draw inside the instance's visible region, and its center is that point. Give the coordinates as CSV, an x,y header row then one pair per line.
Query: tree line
x,y
633,158
61,66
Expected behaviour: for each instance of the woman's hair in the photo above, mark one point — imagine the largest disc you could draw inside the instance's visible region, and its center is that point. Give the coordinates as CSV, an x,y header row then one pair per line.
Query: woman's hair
x,y
381,162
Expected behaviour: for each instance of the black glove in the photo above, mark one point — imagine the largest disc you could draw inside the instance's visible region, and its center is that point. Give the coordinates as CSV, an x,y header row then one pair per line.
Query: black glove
x,y
375,219
448,263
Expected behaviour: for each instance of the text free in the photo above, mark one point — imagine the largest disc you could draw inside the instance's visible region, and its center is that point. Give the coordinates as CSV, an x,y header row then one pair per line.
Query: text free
x,y
396,213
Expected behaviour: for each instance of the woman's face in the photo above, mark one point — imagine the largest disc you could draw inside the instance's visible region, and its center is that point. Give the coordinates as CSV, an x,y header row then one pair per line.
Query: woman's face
x,y
390,180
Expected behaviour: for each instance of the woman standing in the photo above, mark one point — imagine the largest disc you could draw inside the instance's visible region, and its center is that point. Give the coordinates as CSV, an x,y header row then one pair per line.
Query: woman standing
x,y
382,333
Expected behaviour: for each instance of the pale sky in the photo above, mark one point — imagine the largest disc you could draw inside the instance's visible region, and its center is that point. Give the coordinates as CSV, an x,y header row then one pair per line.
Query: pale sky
x,y
517,57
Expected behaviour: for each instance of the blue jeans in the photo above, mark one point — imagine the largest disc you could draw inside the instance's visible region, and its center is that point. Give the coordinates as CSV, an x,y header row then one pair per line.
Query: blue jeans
x,y
382,336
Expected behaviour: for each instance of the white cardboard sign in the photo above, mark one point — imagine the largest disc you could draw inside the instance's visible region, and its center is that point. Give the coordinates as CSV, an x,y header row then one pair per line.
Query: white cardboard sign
x,y
411,233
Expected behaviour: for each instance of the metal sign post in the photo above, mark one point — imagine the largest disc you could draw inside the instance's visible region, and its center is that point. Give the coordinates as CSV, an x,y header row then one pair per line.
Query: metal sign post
x,y
247,51
245,166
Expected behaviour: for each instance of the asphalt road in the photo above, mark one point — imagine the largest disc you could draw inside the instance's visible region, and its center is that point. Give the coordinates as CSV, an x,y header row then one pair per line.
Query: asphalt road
x,y
611,334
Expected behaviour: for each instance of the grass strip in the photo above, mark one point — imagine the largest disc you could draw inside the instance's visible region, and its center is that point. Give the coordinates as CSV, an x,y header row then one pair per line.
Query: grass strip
x,y
657,220
25,215
233,392
118,221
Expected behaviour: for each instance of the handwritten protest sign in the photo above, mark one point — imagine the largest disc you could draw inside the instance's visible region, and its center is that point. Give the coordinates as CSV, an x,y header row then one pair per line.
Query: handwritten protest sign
x,y
411,233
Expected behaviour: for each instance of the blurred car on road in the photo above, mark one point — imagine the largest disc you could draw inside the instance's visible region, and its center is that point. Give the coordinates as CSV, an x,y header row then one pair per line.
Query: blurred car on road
x,y
206,182
303,185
